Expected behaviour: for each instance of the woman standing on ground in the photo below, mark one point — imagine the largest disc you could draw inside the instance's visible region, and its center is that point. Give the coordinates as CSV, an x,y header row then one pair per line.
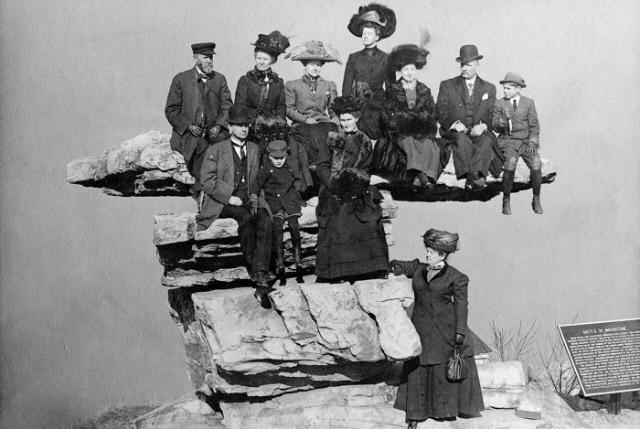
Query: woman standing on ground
x,y
440,317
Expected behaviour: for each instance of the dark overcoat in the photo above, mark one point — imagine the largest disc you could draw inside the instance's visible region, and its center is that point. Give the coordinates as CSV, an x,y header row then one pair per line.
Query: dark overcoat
x,y
454,104
370,66
186,105
281,186
249,94
440,310
217,177
421,121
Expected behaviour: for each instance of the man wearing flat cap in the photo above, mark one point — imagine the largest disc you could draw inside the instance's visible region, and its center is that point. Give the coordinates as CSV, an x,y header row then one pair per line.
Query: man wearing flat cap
x,y
229,170
197,106
464,112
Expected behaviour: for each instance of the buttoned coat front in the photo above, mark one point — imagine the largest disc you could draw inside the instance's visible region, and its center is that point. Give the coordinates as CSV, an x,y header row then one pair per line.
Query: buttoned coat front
x,y
303,103
249,92
186,106
440,310
217,177
280,186
524,120
454,103
370,66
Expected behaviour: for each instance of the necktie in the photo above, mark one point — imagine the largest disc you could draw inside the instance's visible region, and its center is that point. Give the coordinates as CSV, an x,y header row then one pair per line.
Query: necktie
x,y
241,151
470,85
515,105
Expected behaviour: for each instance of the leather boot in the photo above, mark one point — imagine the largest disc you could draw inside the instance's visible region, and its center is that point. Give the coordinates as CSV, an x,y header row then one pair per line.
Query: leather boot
x,y
297,257
506,205
535,204
280,272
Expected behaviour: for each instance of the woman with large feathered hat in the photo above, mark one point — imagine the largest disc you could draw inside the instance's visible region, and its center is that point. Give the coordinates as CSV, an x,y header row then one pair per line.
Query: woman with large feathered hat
x,y
410,117
351,238
371,24
261,91
307,104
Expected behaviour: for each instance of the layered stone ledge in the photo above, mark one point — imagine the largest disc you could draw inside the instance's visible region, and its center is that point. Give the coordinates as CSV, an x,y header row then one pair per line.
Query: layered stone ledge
x,y
146,166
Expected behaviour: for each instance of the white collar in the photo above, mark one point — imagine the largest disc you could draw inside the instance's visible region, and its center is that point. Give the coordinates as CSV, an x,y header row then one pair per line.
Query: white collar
x,y
471,81
237,143
517,98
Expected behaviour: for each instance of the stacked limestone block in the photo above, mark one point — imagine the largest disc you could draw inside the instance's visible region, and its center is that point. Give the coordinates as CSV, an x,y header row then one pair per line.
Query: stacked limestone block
x,y
328,345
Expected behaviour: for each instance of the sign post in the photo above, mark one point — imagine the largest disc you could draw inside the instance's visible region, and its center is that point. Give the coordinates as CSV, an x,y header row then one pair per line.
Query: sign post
x,y
605,357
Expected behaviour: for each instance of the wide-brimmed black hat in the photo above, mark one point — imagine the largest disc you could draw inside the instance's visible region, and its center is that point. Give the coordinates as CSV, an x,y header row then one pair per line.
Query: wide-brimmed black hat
x,y
274,43
468,53
376,14
207,48
238,115
402,55
441,240
348,104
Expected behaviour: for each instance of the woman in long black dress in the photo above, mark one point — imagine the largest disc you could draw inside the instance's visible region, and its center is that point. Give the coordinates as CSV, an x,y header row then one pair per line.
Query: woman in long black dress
x,y
351,239
261,91
410,114
440,317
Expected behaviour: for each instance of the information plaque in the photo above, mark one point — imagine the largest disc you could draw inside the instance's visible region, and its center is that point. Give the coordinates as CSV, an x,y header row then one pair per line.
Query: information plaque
x,y
604,355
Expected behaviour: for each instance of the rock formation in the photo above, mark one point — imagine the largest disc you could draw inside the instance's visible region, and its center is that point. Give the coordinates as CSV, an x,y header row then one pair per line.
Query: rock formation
x,y
325,355
146,166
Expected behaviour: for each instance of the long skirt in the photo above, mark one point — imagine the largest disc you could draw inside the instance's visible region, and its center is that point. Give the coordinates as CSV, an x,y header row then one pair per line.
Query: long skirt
x,y
426,393
349,247
422,154
306,142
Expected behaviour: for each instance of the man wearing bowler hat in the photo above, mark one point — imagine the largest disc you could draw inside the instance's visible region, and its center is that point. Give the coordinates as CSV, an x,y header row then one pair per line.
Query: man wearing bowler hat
x,y
197,106
464,112
229,170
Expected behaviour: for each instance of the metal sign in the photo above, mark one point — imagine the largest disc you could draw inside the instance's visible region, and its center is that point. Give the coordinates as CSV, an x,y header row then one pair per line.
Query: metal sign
x,y
604,355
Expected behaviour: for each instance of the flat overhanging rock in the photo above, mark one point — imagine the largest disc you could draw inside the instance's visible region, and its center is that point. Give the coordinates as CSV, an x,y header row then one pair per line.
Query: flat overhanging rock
x,y
146,166
316,335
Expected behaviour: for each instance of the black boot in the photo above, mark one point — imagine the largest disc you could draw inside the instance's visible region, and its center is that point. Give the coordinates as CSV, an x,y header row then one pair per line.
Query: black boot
x,y
536,184
507,184
296,240
298,260
278,232
282,276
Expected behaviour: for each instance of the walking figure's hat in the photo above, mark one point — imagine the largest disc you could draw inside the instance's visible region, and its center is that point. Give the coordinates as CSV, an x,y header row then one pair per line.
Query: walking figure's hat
x,y
441,240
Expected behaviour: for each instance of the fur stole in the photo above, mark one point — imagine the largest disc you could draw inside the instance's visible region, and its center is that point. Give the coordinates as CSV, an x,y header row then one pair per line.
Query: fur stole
x,y
419,121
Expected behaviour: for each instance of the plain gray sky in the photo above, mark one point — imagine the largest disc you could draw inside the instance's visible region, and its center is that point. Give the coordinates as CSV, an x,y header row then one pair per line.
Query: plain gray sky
x,y
84,319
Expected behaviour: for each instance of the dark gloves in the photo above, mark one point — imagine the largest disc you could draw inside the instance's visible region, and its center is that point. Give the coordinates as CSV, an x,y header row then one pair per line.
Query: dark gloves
x,y
395,267
459,339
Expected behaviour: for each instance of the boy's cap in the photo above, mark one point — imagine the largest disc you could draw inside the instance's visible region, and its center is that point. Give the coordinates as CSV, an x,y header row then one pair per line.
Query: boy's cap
x,y
514,78
277,148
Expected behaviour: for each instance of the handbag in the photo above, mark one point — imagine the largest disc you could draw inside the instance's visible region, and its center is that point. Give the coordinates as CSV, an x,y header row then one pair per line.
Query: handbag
x,y
456,367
